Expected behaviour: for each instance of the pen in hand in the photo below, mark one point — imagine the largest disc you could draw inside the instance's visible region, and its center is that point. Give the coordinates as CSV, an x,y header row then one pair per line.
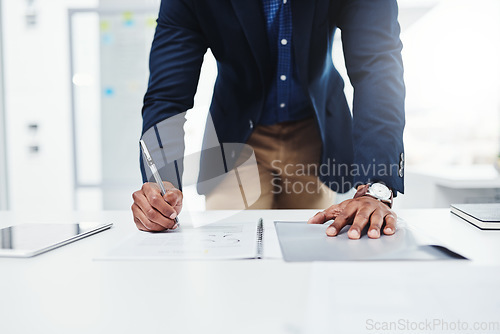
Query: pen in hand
x,y
154,170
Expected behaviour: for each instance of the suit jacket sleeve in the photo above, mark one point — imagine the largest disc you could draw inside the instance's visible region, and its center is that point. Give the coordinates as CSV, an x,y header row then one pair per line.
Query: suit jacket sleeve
x,y
372,51
175,62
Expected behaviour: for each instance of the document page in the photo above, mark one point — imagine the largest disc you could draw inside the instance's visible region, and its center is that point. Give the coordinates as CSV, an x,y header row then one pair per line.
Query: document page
x,y
215,241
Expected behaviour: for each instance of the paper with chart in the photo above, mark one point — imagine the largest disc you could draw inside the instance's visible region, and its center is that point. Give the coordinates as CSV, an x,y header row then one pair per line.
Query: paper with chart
x,y
215,241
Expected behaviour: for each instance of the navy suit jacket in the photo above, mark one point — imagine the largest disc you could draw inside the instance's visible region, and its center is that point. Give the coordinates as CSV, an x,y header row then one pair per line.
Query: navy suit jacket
x,y
366,145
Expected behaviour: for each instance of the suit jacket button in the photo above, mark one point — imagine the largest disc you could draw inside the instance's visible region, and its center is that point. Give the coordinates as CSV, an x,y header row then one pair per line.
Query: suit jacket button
x,y
251,124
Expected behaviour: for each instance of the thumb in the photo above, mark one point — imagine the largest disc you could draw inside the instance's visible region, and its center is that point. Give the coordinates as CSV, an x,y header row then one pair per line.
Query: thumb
x,y
324,216
331,213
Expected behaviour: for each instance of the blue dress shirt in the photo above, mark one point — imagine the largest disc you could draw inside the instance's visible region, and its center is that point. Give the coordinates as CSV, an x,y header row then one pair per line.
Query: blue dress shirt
x,y
286,100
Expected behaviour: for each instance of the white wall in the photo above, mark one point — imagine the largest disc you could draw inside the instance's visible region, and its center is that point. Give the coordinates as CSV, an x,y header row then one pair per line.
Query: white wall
x,y
38,87
37,93
452,75
3,161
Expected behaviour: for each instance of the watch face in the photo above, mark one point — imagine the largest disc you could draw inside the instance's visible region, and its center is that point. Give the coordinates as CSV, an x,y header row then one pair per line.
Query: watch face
x,y
380,191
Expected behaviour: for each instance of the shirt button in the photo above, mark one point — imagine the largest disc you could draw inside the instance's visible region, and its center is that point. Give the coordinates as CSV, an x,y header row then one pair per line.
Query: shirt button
x,y
282,105
250,122
284,2
283,77
284,41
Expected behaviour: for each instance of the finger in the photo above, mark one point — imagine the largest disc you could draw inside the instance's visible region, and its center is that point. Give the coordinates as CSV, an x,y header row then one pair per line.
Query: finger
x,y
390,223
321,217
156,201
174,197
331,213
318,218
152,215
376,221
361,219
142,222
140,225
168,186
344,218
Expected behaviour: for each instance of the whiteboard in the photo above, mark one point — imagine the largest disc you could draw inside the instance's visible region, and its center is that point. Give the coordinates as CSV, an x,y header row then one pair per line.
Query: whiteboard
x,y
109,72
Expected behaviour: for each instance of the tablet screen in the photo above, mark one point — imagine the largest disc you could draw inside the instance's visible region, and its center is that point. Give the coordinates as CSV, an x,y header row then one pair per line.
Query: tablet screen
x,y
32,239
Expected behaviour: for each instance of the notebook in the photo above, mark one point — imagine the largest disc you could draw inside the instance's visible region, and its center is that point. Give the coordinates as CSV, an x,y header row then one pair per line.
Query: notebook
x,y
220,241
485,216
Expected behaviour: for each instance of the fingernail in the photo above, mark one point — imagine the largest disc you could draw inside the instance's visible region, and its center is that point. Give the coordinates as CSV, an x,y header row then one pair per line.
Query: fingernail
x,y
331,230
388,230
354,234
173,215
309,221
374,233
175,226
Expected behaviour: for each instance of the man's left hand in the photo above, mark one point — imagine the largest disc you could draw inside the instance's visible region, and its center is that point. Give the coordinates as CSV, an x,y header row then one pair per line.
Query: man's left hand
x,y
360,212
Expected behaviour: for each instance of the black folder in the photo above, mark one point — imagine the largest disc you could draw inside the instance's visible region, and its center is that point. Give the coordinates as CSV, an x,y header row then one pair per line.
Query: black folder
x,y
485,216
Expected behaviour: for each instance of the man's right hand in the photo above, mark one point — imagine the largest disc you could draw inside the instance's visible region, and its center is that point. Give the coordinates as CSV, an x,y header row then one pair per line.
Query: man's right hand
x,y
153,212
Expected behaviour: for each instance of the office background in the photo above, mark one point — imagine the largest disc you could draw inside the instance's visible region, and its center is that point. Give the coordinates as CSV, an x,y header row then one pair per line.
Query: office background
x,y
73,73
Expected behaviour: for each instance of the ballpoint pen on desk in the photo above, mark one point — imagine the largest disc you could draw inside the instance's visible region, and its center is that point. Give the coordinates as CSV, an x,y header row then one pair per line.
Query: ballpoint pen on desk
x,y
154,170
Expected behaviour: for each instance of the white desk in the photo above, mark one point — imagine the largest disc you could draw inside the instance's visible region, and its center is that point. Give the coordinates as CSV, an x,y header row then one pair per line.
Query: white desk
x,y
66,291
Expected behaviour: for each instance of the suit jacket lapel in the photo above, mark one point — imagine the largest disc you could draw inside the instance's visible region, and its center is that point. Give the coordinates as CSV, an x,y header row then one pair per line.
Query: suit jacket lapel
x,y
251,16
302,23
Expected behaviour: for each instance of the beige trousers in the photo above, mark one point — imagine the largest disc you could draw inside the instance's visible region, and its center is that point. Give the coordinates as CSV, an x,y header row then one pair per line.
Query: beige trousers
x,y
287,155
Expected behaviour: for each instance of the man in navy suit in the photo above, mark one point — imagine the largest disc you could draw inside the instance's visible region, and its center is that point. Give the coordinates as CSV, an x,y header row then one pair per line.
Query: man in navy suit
x,y
277,85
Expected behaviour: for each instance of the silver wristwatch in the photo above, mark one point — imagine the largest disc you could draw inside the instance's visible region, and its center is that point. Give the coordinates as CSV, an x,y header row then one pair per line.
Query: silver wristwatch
x,y
376,190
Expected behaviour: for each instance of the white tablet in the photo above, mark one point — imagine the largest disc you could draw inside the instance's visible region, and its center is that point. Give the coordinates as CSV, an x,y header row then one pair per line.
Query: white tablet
x,y
26,240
